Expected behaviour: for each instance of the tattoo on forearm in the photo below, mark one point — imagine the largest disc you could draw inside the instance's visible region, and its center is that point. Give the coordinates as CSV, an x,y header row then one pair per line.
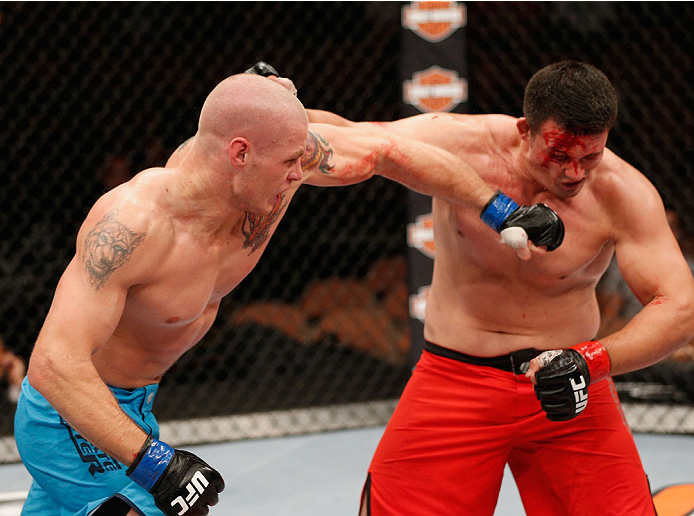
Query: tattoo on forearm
x,y
318,153
256,228
107,247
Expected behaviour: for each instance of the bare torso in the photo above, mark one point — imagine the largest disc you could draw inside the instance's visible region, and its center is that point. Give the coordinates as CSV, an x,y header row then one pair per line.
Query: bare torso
x,y
194,249
170,312
484,301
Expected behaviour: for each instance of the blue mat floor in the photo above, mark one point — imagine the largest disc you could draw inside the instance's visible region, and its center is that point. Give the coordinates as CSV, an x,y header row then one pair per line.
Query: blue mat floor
x,y
319,474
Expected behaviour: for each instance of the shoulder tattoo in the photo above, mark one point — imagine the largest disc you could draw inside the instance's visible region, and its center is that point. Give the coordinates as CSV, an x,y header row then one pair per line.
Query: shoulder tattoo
x,y
318,153
184,144
107,247
256,228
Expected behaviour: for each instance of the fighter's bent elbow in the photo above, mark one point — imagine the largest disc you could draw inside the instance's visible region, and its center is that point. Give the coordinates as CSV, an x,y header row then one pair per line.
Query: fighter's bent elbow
x,y
37,371
685,314
44,371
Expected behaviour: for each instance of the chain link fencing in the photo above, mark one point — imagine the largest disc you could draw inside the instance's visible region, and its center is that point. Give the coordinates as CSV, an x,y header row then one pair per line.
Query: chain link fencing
x,y
317,336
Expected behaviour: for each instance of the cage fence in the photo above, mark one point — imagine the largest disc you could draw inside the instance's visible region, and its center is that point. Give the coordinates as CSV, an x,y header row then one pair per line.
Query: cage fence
x,y
317,337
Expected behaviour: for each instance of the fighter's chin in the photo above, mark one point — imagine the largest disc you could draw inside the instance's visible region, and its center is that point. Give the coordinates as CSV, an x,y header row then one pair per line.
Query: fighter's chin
x,y
260,211
266,209
570,189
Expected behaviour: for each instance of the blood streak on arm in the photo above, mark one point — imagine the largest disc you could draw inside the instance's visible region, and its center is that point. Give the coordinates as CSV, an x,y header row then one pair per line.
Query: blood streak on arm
x,y
359,171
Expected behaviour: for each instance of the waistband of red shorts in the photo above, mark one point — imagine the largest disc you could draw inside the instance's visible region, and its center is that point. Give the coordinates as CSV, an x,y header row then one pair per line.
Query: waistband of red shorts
x,y
516,362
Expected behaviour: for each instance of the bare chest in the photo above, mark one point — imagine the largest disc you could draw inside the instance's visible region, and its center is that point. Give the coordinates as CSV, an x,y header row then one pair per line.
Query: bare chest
x,y
197,273
580,260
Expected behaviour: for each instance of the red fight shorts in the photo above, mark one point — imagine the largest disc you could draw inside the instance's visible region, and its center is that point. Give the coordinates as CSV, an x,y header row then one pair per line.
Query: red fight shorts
x,y
457,425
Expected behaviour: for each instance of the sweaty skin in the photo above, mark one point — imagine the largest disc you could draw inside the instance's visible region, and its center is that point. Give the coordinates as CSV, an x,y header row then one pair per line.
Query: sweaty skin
x,y
156,255
496,302
483,301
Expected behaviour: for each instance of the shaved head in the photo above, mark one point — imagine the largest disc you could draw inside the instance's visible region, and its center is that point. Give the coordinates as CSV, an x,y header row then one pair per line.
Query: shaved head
x,y
248,106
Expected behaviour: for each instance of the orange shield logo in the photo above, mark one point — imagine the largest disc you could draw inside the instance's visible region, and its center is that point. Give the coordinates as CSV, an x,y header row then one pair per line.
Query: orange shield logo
x,y
434,21
420,234
435,89
418,303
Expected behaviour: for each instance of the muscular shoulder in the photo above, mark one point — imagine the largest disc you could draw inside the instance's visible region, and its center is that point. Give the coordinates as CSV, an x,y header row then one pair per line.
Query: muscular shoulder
x,y
460,133
126,233
625,194
617,182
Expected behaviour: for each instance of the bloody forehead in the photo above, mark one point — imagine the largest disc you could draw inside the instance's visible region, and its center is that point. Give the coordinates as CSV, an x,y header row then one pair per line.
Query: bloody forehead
x,y
564,140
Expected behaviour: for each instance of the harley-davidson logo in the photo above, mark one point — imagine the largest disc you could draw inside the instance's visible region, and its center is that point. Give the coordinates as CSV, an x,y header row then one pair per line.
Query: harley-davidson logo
x,y
435,89
434,21
418,303
420,234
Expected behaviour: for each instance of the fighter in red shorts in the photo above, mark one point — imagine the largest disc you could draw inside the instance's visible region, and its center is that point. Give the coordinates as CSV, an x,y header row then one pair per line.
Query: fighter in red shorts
x,y
480,396
153,260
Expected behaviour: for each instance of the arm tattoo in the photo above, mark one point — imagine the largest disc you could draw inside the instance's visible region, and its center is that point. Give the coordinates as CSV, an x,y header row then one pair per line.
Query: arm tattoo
x,y
318,153
107,247
256,228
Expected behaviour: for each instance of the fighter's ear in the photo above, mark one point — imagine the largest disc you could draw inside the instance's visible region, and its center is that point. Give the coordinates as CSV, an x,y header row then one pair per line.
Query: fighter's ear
x,y
523,128
238,148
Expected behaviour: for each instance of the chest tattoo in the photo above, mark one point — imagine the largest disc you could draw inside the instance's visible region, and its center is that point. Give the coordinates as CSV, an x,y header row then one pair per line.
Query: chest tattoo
x,y
107,247
256,228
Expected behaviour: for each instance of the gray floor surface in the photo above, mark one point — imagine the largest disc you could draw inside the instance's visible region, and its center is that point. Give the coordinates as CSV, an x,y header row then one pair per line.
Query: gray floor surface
x,y
319,474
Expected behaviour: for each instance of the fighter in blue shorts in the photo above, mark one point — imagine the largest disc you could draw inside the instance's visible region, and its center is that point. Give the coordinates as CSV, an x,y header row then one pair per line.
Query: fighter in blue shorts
x,y
69,472
154,258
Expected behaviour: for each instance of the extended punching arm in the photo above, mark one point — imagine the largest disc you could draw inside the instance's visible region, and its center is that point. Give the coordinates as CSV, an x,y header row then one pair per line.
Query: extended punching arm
x,y
540,222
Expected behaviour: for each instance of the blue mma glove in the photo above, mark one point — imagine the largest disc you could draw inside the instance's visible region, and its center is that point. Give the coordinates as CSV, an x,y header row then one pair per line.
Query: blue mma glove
x,y
181,482
541,223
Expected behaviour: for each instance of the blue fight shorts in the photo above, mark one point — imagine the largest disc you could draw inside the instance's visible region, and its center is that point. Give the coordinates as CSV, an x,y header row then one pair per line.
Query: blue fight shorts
x,y
72,477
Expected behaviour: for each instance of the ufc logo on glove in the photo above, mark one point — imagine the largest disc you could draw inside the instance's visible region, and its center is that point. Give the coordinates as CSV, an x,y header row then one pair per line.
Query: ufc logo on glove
x,y
166,472
195,487
564,376
580,393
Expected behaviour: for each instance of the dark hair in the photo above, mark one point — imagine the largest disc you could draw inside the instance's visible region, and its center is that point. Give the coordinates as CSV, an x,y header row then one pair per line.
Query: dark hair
x,y
577,96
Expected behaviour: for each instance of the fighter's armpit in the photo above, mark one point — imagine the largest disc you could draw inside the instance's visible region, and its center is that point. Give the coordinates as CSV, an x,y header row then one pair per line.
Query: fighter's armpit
x,y
107,247
318,154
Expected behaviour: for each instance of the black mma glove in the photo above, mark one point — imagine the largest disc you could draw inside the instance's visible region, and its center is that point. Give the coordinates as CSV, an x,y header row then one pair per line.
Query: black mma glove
x,y
181,482
540,222
562,381
263,69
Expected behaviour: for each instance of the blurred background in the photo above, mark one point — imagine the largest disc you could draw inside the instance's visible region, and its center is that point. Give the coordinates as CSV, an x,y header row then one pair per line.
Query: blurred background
x,y
92,93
